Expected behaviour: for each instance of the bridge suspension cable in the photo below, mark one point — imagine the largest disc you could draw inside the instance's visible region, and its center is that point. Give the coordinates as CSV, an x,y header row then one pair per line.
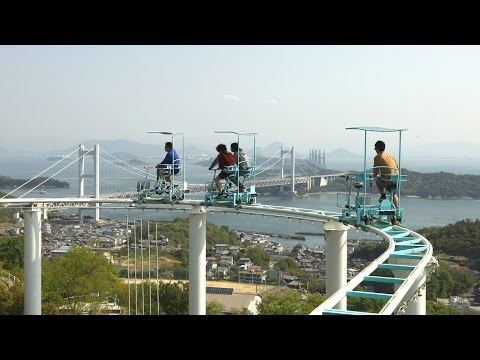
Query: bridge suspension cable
x,y
139,172
43,182
270,166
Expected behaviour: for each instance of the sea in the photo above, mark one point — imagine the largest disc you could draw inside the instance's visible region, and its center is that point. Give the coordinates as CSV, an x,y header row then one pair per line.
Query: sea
x,y
419,213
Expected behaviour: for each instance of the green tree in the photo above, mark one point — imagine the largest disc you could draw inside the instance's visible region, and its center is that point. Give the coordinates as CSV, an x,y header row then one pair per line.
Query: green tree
x,y
180,272
289,302
215,308
79,277
316,285
5,214
258,256
463,281
365,305
369,250
434,308
288,266
11,299
441,283
11,252
173,298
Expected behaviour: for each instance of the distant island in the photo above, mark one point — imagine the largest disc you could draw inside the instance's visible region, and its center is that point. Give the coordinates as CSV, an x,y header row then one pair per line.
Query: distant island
x,y
5,181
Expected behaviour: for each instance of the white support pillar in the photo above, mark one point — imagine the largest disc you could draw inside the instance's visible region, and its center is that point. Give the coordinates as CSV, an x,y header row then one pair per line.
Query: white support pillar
x,y
336,251
197,297
33,262
417,295
418,305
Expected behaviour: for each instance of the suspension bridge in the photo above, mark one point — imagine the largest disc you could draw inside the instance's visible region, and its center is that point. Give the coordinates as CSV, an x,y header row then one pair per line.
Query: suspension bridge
x,y
409,255
119,176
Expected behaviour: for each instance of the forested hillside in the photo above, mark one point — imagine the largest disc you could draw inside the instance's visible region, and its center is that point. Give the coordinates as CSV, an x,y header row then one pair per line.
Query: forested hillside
x,y
461,238
427,185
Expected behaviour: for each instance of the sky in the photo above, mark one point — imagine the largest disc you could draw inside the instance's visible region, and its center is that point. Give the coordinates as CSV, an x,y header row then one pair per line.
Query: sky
x,y
54,97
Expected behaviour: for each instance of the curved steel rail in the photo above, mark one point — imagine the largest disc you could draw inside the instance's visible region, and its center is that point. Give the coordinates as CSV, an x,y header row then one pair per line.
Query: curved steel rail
x,y
404,245
408,252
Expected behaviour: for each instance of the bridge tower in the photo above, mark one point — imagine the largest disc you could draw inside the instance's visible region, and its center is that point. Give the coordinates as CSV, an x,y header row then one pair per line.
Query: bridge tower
x,y
95,153
317,158
282,163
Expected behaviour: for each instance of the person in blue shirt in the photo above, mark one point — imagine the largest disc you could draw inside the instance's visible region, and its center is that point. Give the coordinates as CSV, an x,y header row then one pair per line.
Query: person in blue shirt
x,y
171,161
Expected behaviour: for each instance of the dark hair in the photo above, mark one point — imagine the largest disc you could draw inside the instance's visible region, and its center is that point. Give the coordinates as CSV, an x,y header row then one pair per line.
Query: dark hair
x,y
221,147
380,145
169,145
234,146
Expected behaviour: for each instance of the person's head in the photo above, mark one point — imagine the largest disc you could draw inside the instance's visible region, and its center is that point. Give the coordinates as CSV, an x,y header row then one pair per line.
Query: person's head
x,y
380,145
234,147
221,147
168,146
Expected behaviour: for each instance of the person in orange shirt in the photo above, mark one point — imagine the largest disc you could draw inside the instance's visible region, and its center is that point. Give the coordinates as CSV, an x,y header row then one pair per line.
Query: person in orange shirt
x,y
384,165
223,159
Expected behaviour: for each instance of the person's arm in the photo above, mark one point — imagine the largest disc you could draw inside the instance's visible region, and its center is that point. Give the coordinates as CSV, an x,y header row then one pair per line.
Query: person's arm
x,y
176,160
244,161
214,162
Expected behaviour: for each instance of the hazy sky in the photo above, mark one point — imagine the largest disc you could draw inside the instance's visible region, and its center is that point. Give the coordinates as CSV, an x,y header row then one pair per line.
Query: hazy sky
x,y
55,97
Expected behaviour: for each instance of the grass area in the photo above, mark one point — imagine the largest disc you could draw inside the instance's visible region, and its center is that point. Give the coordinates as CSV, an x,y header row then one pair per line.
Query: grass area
x,y
163,261
238,287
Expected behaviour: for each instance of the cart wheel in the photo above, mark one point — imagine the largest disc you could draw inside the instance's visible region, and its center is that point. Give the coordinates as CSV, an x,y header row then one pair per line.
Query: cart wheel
x,y
366,220
393,220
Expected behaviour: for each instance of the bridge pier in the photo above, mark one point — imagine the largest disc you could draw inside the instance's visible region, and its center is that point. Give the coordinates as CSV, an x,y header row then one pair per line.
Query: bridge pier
x,y
336,250
33,262
197,223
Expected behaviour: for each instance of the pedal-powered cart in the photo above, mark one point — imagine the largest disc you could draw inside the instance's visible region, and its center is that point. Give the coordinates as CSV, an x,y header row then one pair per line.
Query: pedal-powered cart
x,y
151,190
357,205
239,186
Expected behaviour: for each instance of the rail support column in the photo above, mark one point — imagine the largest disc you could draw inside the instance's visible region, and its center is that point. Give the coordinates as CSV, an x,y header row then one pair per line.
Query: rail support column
x,y
33,262
336,250
417,295
418,305
197,261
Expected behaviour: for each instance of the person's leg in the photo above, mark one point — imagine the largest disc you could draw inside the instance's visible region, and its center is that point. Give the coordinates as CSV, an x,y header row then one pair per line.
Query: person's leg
x,y
378,183
235,181
244,174
391,187
167,177
395,199
217,184
157,183
380,187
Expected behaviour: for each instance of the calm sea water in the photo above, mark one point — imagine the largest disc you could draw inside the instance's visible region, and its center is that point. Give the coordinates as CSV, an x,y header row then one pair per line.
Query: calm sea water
x,y
419,213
